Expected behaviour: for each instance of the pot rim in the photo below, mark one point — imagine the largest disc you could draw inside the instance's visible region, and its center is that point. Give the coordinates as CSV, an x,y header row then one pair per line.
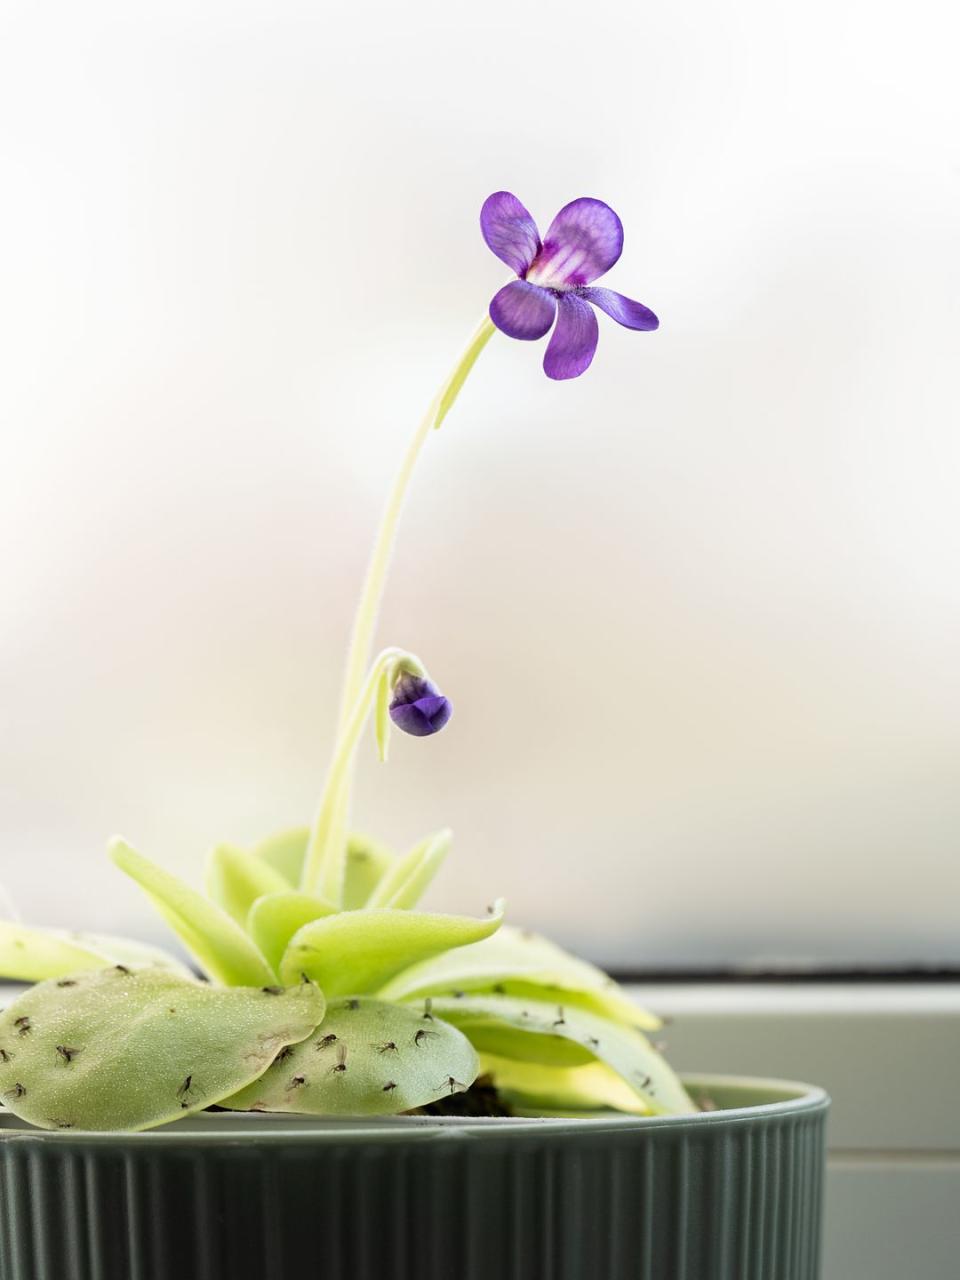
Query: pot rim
x,y
788,1097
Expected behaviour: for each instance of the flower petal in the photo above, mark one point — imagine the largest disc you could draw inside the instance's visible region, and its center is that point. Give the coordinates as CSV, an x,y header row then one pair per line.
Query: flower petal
x,y
574,340
522,310
423,717
509,231
585,240
632,315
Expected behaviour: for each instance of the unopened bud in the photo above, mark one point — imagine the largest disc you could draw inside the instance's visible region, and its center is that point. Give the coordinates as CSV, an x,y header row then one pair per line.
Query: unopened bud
x,y
418,707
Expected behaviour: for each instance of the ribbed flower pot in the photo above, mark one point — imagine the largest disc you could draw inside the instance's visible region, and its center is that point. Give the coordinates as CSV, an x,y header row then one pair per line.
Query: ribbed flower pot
x,y
731,1194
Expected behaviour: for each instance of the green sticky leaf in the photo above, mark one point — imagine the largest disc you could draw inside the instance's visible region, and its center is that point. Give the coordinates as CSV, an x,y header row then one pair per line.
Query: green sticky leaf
x,y
407,879
285,852
274,919
132,953
366,862
519,963
31,955
124,1049
525,1030
366,1058
562,1035
215,940
530,1088
357,951
235,879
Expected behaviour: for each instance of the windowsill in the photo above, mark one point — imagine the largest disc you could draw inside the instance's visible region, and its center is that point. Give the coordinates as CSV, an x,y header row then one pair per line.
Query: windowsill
x,y
887,1053
709,997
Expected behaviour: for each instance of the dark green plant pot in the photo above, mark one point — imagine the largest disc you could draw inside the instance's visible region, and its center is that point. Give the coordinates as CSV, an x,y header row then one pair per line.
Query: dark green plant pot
x,y
732,1194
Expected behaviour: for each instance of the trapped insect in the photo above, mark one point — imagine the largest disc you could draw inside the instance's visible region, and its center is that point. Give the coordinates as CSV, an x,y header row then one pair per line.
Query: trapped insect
x,y
341,1064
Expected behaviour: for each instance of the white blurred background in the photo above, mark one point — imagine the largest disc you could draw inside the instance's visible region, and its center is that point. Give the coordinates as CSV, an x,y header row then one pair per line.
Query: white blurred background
x,y
699,611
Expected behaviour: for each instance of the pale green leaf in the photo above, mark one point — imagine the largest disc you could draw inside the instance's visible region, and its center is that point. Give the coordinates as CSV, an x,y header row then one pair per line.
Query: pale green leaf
x,y
530,1088
533,1031
285,852
122,1049
215,940
357,951
365,1058
235,879
525,1030
520,963
367,860
403,885
31,955
274,919
133,953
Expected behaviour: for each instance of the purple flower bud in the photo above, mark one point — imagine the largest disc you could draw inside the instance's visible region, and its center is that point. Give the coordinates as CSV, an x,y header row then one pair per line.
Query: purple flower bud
x,y
418,706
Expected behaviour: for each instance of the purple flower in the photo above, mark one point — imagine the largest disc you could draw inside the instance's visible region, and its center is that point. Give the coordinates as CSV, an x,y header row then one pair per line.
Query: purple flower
x,y
418,706
584,240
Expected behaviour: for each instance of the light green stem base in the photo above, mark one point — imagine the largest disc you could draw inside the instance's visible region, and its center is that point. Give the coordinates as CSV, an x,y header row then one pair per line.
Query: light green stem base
x,y
324,864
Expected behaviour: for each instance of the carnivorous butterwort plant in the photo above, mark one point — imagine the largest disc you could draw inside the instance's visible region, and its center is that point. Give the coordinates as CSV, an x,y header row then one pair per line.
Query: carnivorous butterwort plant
x,y
325,989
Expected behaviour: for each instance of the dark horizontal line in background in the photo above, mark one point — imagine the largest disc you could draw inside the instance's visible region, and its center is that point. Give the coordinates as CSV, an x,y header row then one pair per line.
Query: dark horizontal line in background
x,y
919,973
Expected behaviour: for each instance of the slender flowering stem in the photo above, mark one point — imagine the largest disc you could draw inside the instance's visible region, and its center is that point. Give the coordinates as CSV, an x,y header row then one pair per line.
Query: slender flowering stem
x,y
369,606
365,619
323,867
